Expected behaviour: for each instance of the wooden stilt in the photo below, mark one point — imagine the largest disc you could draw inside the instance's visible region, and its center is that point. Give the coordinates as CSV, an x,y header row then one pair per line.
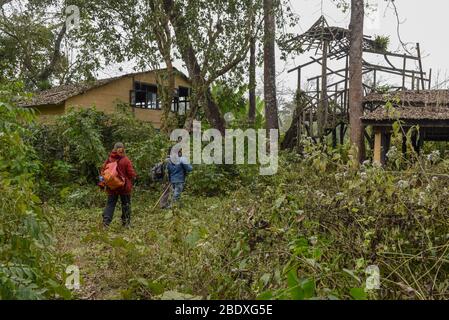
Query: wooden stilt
x,y
378,146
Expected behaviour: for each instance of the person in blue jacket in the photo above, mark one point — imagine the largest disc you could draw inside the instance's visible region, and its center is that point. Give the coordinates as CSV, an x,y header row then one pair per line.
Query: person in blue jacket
x,y
177,169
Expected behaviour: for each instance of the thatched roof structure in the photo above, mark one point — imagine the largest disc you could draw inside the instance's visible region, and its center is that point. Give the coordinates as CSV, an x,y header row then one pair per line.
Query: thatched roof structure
x,y
411,98
337,37
409,106
409,113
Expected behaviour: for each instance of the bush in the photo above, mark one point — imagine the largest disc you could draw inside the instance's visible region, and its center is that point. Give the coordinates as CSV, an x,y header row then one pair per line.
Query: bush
x,y
337,222
213,180
74,148
29,266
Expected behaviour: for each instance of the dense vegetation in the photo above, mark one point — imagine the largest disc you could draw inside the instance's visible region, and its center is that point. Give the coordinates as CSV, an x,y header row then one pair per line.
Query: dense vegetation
x,y
310,231
321,228
30,266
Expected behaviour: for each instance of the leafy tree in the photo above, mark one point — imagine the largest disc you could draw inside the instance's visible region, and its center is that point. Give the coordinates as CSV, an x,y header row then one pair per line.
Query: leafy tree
x,y
216,43
234,101
211,37
37,48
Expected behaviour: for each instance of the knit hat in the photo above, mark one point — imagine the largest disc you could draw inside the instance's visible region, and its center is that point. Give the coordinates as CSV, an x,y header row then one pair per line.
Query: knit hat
x,y
119,145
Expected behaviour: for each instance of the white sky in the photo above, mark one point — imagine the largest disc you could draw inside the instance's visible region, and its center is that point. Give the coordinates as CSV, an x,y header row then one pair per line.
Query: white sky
x,y
425,22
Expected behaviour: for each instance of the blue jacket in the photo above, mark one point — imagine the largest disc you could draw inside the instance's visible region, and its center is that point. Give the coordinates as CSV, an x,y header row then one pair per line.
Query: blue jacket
x,y
177,171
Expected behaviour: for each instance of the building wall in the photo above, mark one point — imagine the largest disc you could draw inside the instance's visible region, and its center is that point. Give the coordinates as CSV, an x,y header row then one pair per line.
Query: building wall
x,y
48,113
106,98
150,77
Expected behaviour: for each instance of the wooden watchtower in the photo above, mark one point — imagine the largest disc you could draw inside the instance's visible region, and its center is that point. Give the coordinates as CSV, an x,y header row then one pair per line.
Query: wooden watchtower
x,y
426,110
322,104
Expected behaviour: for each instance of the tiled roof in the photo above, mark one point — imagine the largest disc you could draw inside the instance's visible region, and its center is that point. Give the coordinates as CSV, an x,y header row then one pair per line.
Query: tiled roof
x,y
58,95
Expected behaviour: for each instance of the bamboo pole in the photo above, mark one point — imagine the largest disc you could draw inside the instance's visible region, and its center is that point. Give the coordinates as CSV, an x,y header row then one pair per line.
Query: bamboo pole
x,y
418,49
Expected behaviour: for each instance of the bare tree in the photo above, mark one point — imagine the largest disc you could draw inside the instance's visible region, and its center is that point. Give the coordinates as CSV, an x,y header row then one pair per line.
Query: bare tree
x,y
355,78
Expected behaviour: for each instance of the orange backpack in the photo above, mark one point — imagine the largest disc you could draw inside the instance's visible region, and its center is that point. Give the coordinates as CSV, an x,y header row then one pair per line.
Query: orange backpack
x,y
112,178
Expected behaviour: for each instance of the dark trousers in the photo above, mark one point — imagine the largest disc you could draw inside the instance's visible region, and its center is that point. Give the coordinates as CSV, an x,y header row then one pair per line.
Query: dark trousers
x,y
108,213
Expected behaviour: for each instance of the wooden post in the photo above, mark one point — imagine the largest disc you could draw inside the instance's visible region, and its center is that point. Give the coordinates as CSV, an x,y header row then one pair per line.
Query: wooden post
x,y
421,140
382,138
375,81
378,145
298,93
345,106
418,49
323,115
311,122
430,79
403,71
334,109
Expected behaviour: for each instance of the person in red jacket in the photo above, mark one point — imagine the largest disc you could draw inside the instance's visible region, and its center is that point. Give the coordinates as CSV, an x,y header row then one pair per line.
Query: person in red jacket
x,y
126,171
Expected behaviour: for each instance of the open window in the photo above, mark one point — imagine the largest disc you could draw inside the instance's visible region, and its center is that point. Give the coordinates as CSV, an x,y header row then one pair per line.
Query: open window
x,y
183,100
144,96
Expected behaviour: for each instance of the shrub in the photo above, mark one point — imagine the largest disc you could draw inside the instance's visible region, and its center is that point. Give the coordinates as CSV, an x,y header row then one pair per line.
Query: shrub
x,y
213,180
82,135
29,266
73,149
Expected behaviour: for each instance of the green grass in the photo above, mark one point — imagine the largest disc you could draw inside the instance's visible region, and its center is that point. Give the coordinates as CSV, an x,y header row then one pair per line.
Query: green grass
x,y
188,249
309,232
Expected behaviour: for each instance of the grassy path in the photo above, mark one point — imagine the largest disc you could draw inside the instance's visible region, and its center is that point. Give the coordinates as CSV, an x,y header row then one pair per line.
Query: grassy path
x,y
187,250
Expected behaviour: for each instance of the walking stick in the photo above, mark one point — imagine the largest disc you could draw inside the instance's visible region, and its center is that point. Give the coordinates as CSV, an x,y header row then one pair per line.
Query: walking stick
x,y
160,198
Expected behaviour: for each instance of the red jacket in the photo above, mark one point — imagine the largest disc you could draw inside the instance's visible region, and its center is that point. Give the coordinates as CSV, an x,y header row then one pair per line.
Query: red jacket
x,y
125,169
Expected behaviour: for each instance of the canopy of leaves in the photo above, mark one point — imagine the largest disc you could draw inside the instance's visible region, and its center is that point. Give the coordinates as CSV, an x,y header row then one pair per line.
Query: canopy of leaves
x,y
36,47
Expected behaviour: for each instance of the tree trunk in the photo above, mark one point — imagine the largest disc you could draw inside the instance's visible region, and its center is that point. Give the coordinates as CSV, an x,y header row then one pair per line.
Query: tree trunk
x,y
167,87
252,82
355,79
271,111
162,32
188,55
